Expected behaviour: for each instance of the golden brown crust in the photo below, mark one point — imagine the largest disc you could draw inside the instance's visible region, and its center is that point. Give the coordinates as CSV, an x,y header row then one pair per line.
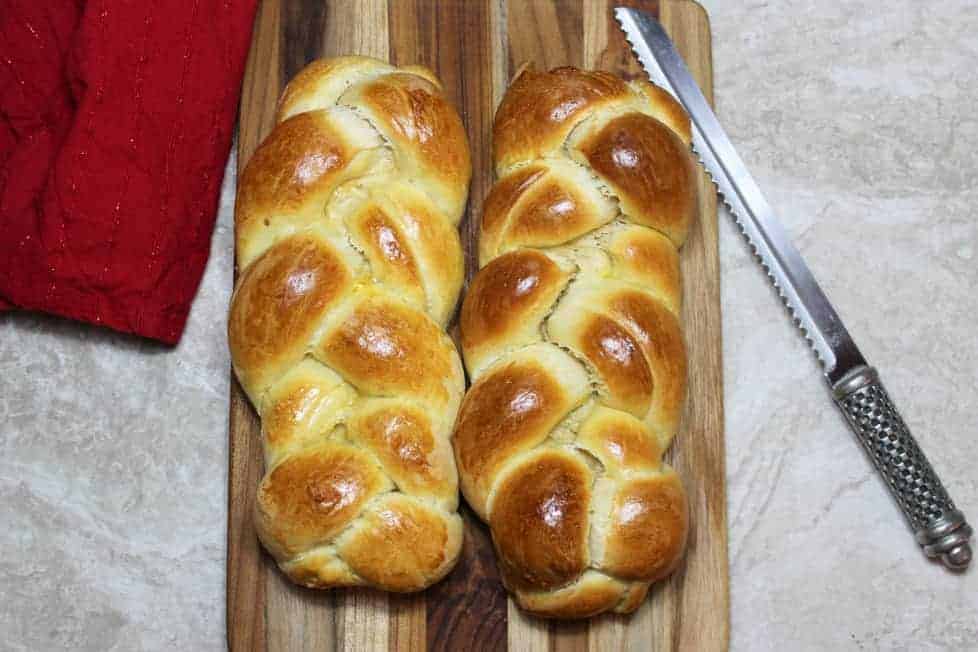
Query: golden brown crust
x,y
541,205
659,332
409,245
309,150
311,496
539,521
510,410
634,345
590,595
540,109
407,445
323,81
649,260
503,196
386,248
578,248
648,528
402,544
294,172
298,409
619,441
385,348
425,132
506,304
351,265
618,358
288,290
320,569
648,168
662,106
437,251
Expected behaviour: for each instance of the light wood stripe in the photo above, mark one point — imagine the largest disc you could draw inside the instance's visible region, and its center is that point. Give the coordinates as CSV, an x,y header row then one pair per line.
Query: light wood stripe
x,y
499,54
361,620
361,617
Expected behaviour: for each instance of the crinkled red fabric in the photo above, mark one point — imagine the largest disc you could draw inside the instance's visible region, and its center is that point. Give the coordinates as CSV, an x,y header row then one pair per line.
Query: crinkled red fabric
x,y
116,119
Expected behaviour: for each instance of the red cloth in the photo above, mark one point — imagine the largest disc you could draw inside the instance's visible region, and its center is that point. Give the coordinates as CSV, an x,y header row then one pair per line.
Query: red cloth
x,y
115,123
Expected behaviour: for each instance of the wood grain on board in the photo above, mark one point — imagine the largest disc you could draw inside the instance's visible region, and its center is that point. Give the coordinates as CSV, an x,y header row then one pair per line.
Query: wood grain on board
x,y
475,46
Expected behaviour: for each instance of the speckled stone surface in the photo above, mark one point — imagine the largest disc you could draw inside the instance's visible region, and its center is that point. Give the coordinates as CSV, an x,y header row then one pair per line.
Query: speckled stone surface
x,y
857,119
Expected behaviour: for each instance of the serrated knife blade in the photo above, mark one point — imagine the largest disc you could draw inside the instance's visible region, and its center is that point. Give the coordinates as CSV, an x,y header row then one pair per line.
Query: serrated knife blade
x,y
939,527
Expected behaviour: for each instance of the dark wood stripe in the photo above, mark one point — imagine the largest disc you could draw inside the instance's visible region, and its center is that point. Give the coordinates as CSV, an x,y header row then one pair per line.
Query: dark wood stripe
x,y
409,25
468,23
617,55
303,26
245,567
466,611
452,38
569,636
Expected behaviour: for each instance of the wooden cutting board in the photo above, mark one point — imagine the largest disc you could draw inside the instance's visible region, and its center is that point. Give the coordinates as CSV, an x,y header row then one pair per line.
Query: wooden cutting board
x,y
475,46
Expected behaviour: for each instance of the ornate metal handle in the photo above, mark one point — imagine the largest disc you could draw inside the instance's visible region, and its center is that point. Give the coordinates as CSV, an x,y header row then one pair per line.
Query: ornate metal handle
x,y
940,529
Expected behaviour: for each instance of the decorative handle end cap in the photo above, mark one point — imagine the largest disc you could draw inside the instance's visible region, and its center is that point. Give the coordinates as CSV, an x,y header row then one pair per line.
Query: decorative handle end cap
x,y
958,558
947,538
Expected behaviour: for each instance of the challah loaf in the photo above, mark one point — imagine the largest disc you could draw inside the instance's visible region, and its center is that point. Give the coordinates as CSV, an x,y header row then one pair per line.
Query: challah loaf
x,y
350,266
571,336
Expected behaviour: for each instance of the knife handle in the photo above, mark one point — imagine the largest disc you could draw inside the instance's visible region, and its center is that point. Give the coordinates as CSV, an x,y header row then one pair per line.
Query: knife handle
x,y
939,527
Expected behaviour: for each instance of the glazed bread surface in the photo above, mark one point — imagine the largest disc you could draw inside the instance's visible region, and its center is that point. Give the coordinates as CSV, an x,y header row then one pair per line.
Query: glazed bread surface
x,y
350,266
571,335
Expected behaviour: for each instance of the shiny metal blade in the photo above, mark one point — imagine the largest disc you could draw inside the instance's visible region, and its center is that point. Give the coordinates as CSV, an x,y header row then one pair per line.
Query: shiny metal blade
x,y
809,307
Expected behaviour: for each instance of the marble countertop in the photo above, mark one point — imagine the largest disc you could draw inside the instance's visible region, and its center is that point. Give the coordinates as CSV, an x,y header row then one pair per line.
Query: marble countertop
x,y
858,120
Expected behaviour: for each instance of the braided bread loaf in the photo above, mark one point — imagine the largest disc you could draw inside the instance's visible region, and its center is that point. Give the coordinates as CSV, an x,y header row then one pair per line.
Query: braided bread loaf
x,y
571,335
351,264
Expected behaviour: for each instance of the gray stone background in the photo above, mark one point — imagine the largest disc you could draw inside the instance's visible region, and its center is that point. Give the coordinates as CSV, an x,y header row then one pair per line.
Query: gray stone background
x,y
857,117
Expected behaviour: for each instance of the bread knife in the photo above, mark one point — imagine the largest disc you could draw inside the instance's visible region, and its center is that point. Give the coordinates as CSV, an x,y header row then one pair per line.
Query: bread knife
x,y
940,528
